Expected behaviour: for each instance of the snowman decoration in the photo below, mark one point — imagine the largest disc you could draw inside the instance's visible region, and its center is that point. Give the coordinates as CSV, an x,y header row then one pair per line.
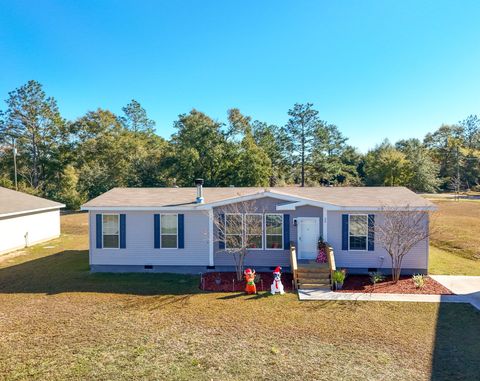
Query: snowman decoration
x,y
277,285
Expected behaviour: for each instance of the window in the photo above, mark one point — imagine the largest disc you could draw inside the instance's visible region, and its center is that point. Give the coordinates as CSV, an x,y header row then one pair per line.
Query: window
x,y
111,231
168,231
274,231
358,232
254,231
233,231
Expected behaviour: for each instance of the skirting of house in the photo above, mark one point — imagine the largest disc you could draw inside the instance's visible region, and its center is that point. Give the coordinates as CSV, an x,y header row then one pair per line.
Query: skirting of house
x,y
383,270
172,269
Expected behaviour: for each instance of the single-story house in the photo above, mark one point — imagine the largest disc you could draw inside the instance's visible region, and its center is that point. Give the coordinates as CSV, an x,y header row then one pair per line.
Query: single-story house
x,y
175,229
26,220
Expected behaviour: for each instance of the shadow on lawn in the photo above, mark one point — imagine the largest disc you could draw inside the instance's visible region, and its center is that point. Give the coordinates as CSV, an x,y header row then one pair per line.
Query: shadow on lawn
x,y
68,271
457,343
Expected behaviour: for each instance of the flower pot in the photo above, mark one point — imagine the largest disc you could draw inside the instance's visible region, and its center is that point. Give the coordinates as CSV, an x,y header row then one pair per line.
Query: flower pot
x,y
338,286
218,281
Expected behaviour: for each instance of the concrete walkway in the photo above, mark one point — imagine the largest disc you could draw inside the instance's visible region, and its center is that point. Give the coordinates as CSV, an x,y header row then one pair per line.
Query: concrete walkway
x,y
465,286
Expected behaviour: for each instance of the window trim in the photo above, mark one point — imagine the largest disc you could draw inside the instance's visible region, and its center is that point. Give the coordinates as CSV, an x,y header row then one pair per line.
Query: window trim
x,y
276,235
227,234
366,235
161,234
103,231
261,234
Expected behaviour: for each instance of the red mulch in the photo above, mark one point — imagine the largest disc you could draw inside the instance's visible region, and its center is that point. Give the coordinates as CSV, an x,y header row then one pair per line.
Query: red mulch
x,y
229,283
361,283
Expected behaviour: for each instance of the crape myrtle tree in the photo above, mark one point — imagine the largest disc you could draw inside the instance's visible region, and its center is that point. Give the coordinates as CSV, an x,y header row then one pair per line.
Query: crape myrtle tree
x,y
237,229
398,231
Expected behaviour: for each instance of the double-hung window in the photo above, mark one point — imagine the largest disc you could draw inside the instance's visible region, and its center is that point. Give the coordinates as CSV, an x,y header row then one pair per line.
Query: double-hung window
x,y
358,232
169,231
254,230
111,231
274,231
233,231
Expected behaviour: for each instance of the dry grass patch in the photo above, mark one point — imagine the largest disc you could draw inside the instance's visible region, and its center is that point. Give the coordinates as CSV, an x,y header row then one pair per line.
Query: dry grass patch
x,y
457,228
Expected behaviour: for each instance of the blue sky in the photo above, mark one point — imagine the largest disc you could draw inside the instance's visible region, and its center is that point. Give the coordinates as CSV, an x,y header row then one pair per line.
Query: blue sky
x,y
377,69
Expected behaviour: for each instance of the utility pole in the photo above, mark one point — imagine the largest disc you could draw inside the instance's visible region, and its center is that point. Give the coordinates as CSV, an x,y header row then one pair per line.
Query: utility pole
x,y
15,162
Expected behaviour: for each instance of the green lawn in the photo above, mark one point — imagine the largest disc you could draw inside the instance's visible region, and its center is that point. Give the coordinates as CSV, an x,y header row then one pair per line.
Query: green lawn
x,y
442,262
59,322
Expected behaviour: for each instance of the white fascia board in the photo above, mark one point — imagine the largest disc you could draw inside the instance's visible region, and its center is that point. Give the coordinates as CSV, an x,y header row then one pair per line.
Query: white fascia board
x,y
142,208
32,211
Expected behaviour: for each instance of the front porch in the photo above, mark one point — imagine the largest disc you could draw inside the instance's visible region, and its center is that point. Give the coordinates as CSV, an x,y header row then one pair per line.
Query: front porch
x,y
309,274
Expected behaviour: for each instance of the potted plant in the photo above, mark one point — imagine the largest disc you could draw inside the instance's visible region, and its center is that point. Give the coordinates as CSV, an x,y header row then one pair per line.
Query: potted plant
x,y
322,251
338,277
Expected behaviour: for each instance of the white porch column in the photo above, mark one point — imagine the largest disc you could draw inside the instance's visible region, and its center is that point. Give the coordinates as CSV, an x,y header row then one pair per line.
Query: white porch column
x,y
210,237
325,225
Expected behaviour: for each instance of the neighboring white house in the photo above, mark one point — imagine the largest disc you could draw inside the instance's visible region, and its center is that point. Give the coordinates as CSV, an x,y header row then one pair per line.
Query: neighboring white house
x,y
26,220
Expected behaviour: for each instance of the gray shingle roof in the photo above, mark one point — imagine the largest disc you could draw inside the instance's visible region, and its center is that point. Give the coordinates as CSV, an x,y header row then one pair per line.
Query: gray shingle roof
x,y
13,202
184,197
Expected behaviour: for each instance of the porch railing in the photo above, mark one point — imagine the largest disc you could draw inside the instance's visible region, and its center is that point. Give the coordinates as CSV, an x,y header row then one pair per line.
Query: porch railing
x,y
293,264
331,262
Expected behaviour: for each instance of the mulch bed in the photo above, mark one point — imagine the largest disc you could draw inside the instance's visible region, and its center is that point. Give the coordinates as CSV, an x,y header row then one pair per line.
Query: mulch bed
x,y
361,283
229,283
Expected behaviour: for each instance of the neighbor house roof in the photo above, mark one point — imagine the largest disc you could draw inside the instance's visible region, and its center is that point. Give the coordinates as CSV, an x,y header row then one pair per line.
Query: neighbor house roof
x,y
184,198
13,202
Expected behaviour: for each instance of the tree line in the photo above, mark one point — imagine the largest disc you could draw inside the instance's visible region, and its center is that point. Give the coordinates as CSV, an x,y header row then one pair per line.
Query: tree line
x,y
73,161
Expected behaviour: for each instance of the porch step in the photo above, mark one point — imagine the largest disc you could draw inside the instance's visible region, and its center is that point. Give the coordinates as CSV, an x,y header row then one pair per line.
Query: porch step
x,y
312,270
312,275
323,286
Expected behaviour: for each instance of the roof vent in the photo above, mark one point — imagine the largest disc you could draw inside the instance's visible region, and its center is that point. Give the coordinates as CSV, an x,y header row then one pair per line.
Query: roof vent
x,y
199,184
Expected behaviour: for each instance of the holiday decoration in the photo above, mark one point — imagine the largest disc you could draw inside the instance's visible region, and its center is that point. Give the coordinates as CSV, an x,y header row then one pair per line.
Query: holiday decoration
x,y
250,288
277,285
322,252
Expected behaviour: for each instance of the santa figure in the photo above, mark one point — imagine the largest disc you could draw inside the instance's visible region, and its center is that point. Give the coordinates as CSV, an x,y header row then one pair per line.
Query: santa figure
x,y
250,288
277,285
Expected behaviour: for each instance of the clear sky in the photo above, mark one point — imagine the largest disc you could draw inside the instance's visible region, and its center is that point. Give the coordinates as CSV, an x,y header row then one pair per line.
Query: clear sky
x,y
377,69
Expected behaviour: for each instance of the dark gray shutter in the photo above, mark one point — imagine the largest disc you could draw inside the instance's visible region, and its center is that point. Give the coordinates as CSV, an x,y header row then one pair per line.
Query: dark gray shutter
x,y
181,231
123,231
286,231
99,236
156,231
371,232
344,231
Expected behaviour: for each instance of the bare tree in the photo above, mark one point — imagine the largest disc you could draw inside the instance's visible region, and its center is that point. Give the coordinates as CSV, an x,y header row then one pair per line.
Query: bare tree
x,y
238,228
400,230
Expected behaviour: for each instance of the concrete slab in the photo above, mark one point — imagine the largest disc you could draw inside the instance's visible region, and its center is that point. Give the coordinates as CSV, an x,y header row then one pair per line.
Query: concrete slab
x,y
467,286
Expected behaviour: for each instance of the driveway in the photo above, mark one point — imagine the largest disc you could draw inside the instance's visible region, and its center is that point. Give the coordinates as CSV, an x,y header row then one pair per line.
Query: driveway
x,y
469,286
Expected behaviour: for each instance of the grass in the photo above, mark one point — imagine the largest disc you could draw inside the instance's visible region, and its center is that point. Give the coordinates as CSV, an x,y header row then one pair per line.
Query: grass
x,y
59,322
457,228
442,262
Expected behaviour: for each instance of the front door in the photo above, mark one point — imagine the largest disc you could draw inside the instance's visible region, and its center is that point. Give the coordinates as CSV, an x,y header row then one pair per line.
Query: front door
x,y
308,233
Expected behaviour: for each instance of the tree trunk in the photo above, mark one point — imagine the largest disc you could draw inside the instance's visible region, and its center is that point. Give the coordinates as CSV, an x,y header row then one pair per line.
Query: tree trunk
x,y
303,158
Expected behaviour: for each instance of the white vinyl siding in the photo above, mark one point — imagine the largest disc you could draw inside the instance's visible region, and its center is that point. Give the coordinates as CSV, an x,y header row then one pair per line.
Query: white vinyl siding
x,y
357,232
274,231
17,232
140,242
169,231
111,231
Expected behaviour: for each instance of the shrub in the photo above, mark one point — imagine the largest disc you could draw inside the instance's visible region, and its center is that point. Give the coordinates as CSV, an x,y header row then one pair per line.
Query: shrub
x,y
376,277
339,276
418,280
